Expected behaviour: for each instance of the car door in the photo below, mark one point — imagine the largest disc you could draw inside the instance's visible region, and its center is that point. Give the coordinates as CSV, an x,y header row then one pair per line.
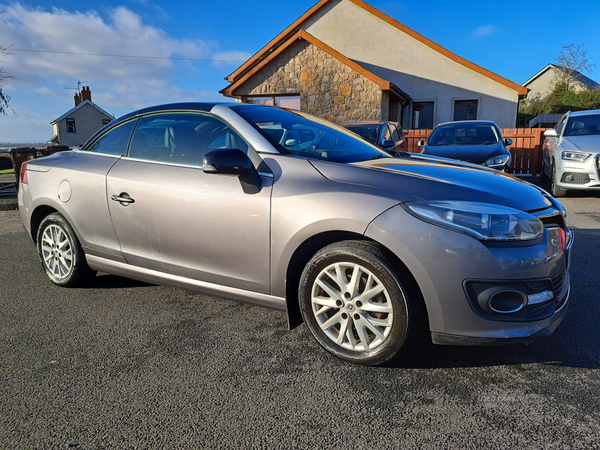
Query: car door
x,y
172,217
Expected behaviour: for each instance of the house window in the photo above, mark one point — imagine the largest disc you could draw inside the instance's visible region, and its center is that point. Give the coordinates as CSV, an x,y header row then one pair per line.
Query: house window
x,y
285,101
71,126
422,115
465,110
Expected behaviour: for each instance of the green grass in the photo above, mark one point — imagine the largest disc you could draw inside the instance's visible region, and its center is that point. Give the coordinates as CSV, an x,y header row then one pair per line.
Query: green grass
x,y
7,171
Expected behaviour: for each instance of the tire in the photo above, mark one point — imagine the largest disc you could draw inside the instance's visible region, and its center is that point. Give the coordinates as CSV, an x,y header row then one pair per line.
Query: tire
x,y
343,317
60,253
555,190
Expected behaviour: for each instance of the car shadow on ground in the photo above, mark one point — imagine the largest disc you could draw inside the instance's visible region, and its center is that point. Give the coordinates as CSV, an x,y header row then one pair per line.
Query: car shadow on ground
x,y
108,281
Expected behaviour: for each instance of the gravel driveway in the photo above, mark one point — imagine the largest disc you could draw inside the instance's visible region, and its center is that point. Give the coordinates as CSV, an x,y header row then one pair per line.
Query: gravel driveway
x,y
124,364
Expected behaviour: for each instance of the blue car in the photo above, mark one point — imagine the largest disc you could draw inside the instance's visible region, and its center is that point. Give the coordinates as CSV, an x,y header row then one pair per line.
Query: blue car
x,y
473,141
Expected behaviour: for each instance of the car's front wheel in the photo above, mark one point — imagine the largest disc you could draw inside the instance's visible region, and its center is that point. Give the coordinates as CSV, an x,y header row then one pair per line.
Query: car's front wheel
x,y
61,255
555,190
354,303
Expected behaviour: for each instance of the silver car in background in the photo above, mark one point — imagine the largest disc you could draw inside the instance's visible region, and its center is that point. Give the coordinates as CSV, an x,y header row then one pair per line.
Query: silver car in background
x,y
367,249
570,159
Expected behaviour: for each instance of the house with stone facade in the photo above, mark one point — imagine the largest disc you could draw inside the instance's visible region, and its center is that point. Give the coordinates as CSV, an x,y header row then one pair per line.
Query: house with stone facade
x,y
78,124
346,61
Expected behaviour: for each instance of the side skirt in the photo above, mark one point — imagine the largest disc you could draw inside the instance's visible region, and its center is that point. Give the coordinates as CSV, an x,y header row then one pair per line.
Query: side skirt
x,y
187,284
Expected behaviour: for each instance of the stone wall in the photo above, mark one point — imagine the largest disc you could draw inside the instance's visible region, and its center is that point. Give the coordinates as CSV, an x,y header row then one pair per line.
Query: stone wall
x,y
327,87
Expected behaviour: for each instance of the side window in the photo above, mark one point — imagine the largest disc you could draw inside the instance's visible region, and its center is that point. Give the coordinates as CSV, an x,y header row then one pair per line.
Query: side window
x,y
114,141
395,135
561,125
181,138
387,133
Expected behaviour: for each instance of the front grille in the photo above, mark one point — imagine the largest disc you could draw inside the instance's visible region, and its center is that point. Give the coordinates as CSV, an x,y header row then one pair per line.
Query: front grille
x,y
554,220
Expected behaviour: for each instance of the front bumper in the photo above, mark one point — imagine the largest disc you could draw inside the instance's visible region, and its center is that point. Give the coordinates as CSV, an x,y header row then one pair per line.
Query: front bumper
x,y
443,262
574,175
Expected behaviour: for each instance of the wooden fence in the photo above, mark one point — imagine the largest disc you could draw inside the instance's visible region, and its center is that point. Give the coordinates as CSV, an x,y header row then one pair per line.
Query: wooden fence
x,y
526,149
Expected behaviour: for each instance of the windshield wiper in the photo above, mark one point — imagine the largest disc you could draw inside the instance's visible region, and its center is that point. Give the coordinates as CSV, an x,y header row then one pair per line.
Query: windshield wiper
x,y
400,154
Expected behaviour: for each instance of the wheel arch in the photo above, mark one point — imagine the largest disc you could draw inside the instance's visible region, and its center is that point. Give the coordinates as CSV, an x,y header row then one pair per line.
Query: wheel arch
x,y
307,250
37,216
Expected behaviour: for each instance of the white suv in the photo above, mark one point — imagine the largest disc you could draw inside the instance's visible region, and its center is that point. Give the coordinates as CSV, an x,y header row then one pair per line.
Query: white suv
x,y
571,157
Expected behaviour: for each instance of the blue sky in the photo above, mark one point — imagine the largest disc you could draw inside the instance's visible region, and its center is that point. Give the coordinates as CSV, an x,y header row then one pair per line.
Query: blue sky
x,y
182,50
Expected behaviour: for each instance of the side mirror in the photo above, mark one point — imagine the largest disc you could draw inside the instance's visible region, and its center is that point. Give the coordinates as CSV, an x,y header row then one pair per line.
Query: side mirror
x,y
387,143
233,162
291,142
421,143
551,133
507,142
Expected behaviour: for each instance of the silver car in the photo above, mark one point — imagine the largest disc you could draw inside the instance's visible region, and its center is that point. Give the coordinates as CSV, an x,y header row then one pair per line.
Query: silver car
x,y
368,250
571,158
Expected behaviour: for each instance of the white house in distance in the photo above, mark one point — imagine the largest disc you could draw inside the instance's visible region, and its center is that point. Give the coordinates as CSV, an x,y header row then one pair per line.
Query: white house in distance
x,y
77,125
544,81
346,61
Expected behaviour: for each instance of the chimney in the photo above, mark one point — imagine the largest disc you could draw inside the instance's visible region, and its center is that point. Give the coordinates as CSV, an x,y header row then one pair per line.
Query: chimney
x,y
77,99
86,94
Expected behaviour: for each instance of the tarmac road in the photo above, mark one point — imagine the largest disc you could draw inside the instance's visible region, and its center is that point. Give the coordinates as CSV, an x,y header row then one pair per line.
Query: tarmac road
x,y
123,364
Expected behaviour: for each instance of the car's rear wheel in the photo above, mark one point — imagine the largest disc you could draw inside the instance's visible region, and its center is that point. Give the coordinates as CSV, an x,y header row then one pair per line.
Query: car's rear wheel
x,y
555,190
61,255
355,305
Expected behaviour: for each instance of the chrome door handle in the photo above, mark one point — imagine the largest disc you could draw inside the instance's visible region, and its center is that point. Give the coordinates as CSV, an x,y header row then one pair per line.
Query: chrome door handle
x,y
123,198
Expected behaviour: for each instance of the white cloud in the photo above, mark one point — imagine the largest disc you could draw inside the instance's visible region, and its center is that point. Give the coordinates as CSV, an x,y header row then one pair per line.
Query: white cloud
x,y
88,35
234,57
484,30
66,45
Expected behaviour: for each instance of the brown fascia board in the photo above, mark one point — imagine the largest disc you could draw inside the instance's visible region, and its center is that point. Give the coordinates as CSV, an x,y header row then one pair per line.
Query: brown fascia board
x,y
448,54
301,34
257,57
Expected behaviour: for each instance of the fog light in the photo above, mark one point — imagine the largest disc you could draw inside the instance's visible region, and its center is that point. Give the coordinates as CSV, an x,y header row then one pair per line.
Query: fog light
x,y
569,178
542,297
507,302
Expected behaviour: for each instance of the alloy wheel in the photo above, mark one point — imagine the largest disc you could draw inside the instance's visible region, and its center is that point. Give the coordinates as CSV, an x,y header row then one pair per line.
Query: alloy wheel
x,y
57,252
352,306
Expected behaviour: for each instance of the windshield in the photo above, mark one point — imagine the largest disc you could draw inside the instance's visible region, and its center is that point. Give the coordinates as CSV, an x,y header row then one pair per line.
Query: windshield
x,y
464,134
368,132
301,134
583,125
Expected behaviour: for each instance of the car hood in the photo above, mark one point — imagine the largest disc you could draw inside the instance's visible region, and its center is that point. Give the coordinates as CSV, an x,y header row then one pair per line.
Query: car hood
x,y
421,177
588,144
469,153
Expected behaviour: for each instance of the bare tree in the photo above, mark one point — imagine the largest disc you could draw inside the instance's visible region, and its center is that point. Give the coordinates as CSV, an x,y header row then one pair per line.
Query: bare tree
x,y
4,77
572,60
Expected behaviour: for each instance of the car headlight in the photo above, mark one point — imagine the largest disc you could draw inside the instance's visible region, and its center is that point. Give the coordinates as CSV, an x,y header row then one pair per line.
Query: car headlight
x,y
576,156
483,221
497,160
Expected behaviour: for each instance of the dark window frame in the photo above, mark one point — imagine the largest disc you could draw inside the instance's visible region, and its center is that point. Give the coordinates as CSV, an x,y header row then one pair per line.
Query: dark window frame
x,y
274,98
419,107
70,124
462,102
